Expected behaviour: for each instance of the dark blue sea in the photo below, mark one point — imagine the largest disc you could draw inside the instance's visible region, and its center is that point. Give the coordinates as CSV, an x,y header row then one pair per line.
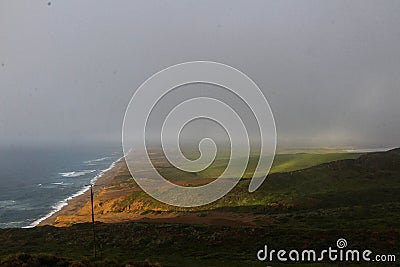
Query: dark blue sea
x,y
35,182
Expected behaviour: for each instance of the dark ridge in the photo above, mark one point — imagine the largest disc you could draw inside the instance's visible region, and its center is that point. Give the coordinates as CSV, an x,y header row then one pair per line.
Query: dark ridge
x,y
388,160
380,160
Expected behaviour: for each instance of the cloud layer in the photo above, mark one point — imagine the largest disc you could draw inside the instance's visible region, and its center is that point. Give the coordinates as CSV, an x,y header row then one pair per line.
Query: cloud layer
x,y
330,70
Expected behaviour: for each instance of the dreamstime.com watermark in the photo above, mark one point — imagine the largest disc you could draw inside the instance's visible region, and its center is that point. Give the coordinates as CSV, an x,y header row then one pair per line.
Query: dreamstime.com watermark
x,y
333,254
135,132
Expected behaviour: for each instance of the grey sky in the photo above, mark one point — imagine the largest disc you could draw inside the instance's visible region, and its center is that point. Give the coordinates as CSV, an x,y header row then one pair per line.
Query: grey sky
x,y
330,69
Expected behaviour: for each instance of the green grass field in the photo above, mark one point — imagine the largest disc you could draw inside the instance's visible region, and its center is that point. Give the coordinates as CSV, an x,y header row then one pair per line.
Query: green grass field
x,y
283,162
308,201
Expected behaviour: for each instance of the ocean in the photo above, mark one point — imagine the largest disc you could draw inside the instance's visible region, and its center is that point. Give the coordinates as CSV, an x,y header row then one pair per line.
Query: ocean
x,y
36,182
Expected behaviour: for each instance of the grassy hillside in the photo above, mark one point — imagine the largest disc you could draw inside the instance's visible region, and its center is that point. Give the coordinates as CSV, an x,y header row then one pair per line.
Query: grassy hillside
x,y
356,198
186,245
350,181
283,162
298,161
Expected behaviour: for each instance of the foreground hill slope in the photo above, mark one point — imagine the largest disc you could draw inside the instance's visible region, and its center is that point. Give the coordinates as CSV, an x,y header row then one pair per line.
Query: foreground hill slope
x,y
356,199
370,179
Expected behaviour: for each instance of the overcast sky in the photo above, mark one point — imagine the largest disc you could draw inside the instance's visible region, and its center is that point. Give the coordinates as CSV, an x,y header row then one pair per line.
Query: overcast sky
x,y
329,69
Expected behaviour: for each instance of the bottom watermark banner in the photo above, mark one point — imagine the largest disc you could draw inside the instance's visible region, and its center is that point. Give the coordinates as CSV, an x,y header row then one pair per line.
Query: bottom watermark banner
x,y
333,254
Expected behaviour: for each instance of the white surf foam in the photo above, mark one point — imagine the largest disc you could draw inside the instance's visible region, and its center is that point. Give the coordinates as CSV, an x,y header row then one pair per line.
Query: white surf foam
x,y
62,183
76,173
61,204
96,160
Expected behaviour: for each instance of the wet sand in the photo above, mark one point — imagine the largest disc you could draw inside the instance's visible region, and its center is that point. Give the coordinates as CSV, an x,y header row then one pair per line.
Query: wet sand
x,y
78,203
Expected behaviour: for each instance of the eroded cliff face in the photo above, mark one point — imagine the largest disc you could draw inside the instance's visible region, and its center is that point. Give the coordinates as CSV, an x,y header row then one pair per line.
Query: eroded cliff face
x,y
112,205
106,202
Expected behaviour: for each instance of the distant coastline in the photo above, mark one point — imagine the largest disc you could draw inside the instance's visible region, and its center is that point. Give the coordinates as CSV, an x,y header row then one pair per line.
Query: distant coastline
x,y
369,150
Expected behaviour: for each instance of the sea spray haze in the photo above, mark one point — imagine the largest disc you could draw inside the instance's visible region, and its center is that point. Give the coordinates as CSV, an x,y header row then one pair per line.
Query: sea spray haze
x,y
36,181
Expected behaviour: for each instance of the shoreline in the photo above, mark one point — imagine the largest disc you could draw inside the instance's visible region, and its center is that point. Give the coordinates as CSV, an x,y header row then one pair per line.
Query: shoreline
x,y
109,194
74,203
78,209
